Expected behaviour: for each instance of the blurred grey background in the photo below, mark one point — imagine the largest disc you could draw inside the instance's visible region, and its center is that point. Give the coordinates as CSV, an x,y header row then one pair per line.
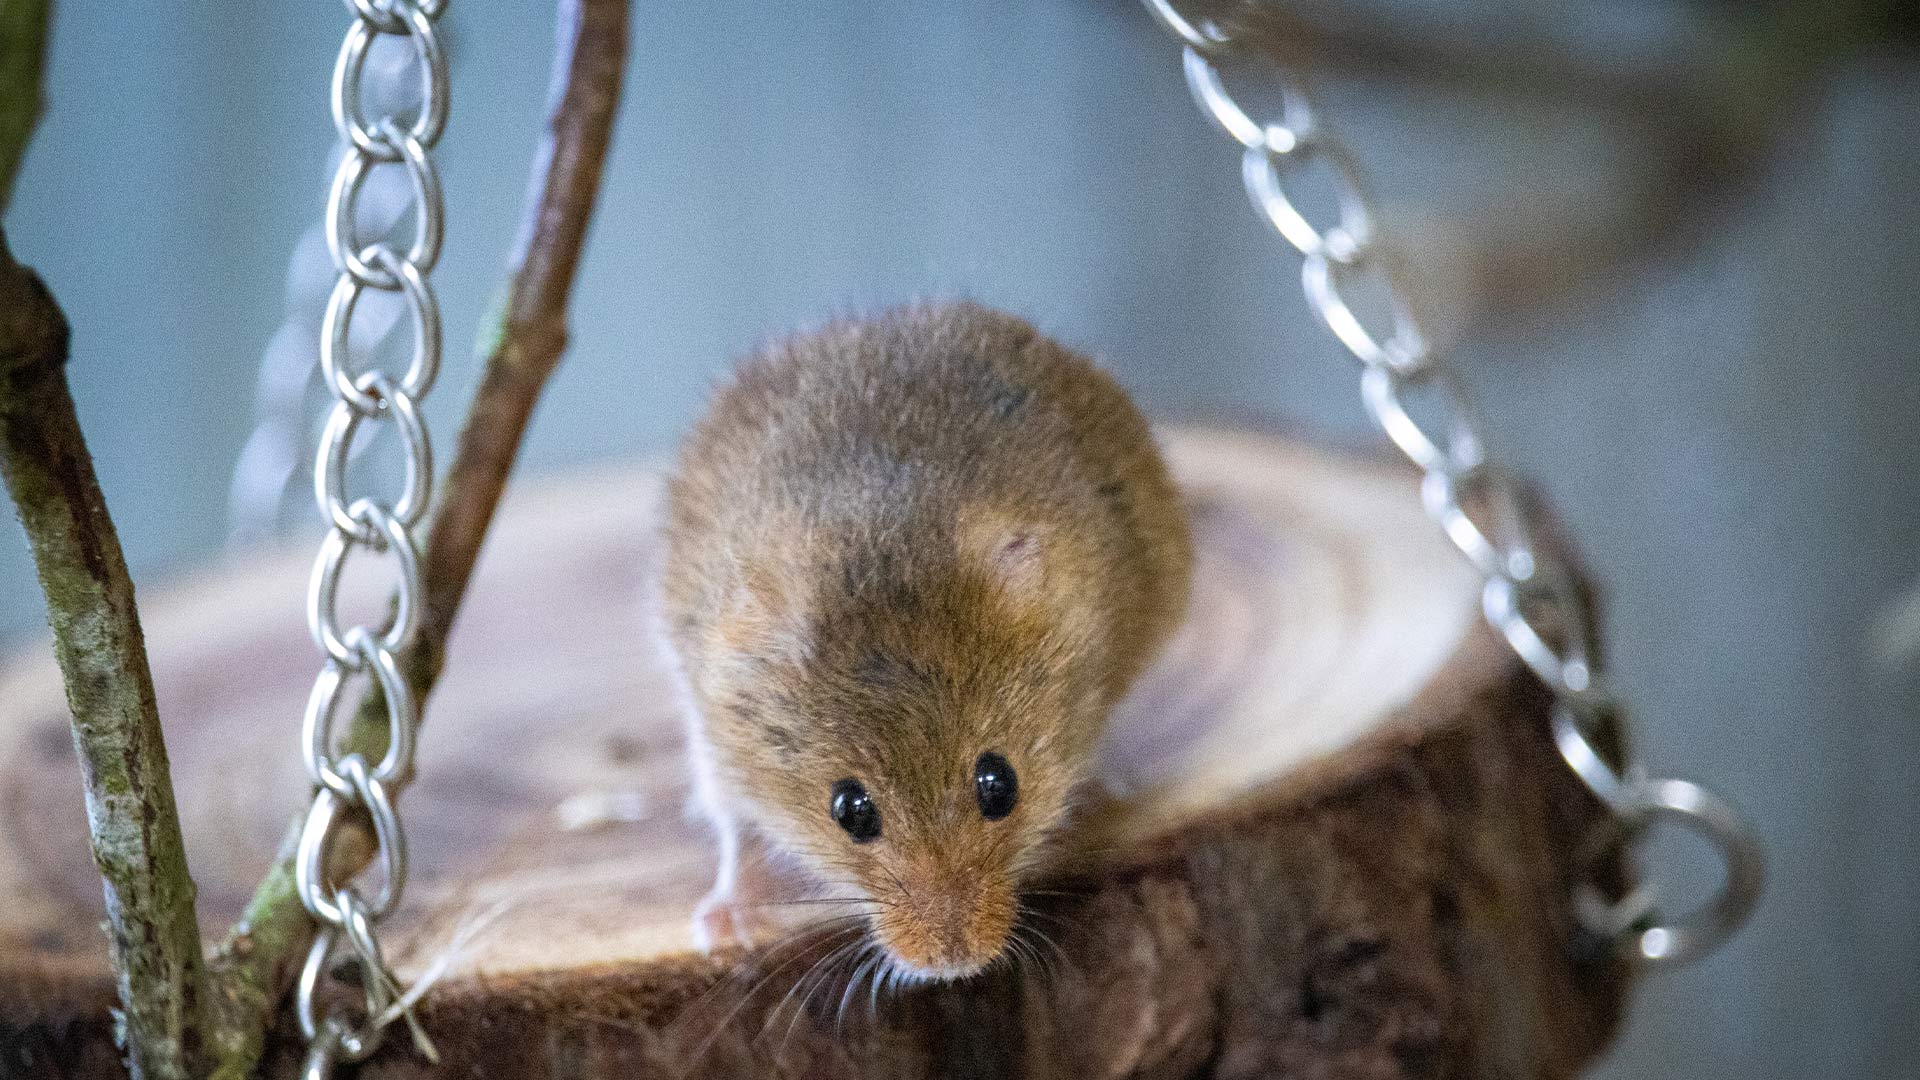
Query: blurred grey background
x,y
1673,243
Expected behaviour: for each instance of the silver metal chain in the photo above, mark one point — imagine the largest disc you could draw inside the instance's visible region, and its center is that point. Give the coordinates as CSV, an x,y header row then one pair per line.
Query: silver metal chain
x,y
287,425
348,918
1531,599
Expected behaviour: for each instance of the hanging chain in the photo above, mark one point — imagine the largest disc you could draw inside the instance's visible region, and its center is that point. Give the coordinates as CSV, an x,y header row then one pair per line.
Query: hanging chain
x,y
347,939
1530,598
283,439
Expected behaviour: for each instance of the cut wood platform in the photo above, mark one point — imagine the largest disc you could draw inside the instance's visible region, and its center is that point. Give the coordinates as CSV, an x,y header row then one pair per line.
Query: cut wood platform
x,y
1345,848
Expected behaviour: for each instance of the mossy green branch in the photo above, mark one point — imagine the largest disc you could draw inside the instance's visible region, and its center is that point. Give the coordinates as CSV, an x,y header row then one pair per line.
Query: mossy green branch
x,y
116,725
252,968
135,826
23,53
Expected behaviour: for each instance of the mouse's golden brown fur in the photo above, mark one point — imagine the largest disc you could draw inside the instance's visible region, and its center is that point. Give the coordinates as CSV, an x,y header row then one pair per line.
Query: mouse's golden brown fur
x,y
894,545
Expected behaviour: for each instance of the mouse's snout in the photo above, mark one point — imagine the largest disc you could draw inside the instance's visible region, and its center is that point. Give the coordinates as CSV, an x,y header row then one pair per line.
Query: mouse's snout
x,y
947,925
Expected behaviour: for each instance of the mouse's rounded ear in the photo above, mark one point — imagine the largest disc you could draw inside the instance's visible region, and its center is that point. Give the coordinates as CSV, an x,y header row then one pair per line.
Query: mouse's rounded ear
x,y
1019,559
1037,568
1015,553
763,614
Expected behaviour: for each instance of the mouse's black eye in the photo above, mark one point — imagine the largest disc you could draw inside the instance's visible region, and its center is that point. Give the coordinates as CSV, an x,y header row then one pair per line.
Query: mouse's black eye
x,y
995,785
853,810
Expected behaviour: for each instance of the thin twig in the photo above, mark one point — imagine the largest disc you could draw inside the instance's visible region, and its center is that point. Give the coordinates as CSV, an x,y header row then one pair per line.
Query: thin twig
x,y
103,657
23,53
254,965
530,329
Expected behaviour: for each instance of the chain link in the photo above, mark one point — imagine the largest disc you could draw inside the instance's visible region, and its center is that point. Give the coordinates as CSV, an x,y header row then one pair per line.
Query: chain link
x,y
347,939
1534,602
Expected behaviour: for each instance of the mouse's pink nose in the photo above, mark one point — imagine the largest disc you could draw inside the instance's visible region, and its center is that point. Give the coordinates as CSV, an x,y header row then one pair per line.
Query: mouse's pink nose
x,y
949,929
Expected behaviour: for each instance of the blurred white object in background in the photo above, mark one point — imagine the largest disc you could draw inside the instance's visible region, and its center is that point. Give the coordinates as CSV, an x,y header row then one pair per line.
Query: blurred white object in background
x,y
288,400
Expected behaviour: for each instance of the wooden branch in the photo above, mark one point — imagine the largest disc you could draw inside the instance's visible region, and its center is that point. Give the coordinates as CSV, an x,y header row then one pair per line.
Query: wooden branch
x,y
531,330
23,53
255,963
116,725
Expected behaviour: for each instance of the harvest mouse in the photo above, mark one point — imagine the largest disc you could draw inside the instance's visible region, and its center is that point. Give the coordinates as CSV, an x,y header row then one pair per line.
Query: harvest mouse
x,y
911,563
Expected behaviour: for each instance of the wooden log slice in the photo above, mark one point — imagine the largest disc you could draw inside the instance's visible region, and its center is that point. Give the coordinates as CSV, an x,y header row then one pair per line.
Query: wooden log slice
x,y
1344,848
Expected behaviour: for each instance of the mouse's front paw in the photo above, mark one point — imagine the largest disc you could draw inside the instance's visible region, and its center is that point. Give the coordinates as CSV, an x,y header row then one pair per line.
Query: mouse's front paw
x,y
724,920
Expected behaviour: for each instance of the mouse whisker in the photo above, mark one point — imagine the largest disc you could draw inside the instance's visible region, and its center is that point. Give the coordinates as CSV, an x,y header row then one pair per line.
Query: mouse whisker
x,y
1068,853
1042,937
805,901
1043,964
1062,893
863,963
773,1014
1026,960
902,978
1037,917
858,887
1039,911
816,976
1013,959
818,923
879,976
877,979
820,961
905,892
714,1033
741,973
798,941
